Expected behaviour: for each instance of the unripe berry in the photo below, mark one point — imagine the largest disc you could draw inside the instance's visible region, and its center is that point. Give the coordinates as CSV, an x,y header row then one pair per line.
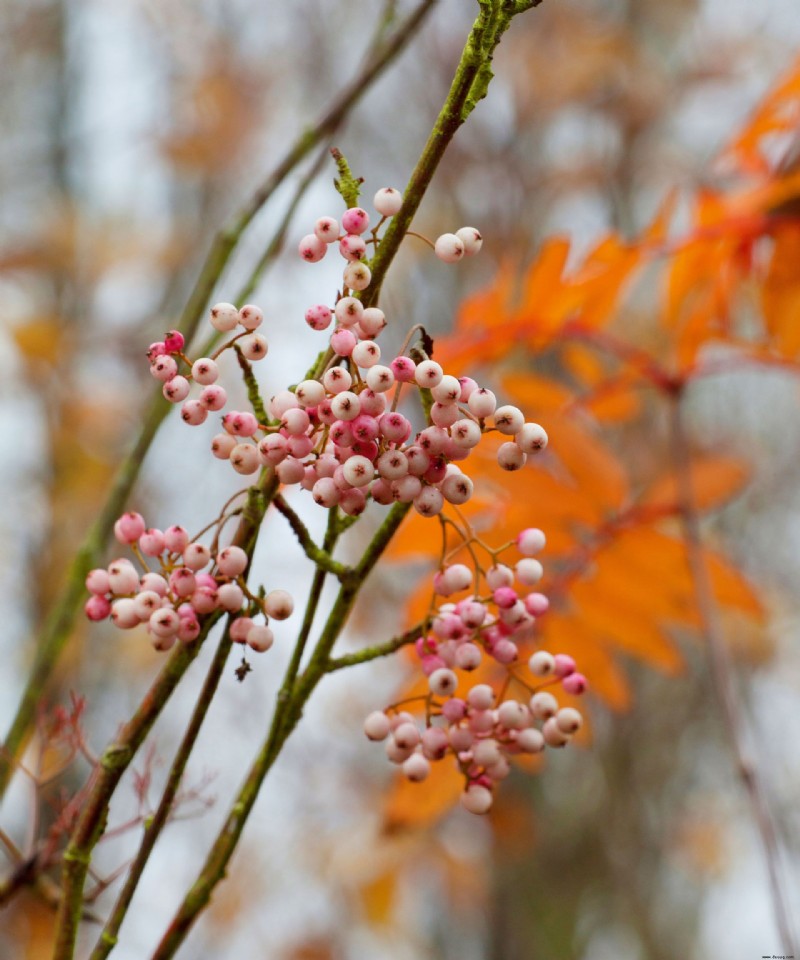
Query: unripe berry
x,y
449,247
455,578
213,397
529,571
532,438
309,393
182,581
311,248
443,682
428,373
477,799
416,768
356,276
254,347
510,457
327,229
542,664
129,527
471,239
380,378
355,220
224,317
387,201
245,459
250,316
260,638
278,604
97,581
346,405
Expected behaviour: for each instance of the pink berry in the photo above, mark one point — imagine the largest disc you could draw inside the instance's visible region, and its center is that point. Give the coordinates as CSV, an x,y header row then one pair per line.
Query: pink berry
x,y
428,373
254,347
366,354
416,768
196,556
346,405
377,725
213,397
164,368
97,607
536,604
349,311
510,457
554,736
343,341
443,682
175,539
129,527
230,596
240,423
311,248
154,582
224,317
429,502
542,664
468,656
449,248
575,684
319,317
250,316
387,201
205,371
457,488
176,390
290,471
123,613
352,247
164,623
482,403
239,629
244,458
505,651
193,413
543,705
508,420
564,665
122,577
353,502
357,276
355,220
157,349
259,638
403,369
327,229
406,735
97,581
278,604
531,438
477,799
372,321
145,603
152,542
231,561
569,720
505,597
530,740
530,541
481,697
222,445
471,239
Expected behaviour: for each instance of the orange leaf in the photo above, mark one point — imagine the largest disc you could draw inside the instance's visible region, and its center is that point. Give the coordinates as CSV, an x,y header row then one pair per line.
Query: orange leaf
x,y
715,480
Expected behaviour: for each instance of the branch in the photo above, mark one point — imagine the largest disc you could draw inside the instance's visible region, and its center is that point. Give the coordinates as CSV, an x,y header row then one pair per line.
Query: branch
x,y
722,676
318,555
57,629
373,653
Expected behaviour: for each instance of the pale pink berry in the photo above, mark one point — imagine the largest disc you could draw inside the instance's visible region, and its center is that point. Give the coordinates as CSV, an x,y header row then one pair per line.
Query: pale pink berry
x,y
481,697
395,753
433,440
530,740
530,541
372,321
182,581
406,489
481,721
395,428
311,248
250,316
244,458
366,354
543,705
196,556
486,753
353,502
477,799
152,542
290,471
406,735
443,682
505,651
352,247
204,599
471,239
346,405
429,502
569,720
357,276
231,561
565,665
505,597
122,577
472,613
387,201
164,368
145,603
510,457
482,403
508,420
447,390
193,413
239,629
343,341
554,736
499,575
123,613
254,347
222,445
230,596
461,738
97,607
416,768
240,423
512,715
213,397
188,629
380,378
536,604
468,656
358,471
529,571
282,401
377,725
260,638
97,581
157,349
542,664
309,393
154,582
175,539
349,311
456,577
337,379
532,438
575,684
129,527
444,414
428,373
224,317
449,247
278,604
355,220
327,229
434,743
164,623
319,317
176,390
457,488
454,710
205,371
404,369
382,493
295,422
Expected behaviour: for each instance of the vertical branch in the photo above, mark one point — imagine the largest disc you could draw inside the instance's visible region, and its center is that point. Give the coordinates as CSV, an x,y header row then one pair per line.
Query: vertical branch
x,y
722,674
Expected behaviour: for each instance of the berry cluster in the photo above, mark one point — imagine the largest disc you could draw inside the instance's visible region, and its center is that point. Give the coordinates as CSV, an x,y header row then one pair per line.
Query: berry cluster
x,y
482,728
171,599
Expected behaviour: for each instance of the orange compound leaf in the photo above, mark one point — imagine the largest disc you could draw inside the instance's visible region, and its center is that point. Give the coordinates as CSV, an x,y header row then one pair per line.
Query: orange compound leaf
x,y
778,113
414,806
583,363
536,395
780,291
731,587
715,481
617,400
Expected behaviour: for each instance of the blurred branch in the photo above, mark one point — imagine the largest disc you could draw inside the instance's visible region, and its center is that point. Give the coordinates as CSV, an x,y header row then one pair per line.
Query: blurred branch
x,y
118,756
318,555
722,674
374,652
57,628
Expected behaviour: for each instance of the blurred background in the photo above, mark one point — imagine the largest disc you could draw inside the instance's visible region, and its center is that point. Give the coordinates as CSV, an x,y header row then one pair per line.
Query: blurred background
x,y
132,131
